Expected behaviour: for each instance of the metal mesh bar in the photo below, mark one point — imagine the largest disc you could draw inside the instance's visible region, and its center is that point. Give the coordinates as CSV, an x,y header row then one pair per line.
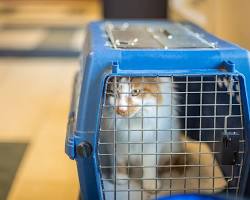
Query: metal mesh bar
x,y
142,140
156,145
163,135
114,144
243,146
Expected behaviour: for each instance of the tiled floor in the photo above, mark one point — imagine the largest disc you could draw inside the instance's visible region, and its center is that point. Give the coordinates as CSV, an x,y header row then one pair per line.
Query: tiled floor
x,y
35,96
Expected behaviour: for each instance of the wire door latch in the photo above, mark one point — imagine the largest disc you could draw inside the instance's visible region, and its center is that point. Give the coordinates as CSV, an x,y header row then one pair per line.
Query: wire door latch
x,y
230,148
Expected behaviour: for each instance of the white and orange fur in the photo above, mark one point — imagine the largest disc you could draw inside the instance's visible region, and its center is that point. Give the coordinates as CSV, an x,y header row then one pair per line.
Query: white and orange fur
x,y
143,110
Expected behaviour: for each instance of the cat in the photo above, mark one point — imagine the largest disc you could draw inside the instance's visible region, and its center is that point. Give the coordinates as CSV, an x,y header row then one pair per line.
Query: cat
x,y
140,115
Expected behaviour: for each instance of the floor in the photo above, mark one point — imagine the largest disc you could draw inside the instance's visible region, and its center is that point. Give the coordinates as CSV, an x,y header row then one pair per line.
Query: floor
x,y
12,154
35,104
35,97
37,41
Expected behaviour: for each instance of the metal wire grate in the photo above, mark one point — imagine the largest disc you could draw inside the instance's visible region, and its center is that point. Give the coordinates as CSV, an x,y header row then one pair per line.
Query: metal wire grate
x,y
168,135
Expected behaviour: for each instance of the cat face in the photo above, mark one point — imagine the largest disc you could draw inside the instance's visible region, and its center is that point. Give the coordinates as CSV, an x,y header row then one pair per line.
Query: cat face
x,y
129,95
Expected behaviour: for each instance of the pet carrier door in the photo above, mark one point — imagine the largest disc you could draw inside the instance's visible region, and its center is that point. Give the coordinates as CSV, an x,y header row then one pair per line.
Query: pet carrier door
x,y
170,135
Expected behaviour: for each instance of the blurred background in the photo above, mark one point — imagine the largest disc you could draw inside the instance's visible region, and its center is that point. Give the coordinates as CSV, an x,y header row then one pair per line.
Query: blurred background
x,y
40,42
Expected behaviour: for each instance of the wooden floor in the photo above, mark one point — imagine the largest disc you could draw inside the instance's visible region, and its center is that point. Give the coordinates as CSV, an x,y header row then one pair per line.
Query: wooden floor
x,y
35,96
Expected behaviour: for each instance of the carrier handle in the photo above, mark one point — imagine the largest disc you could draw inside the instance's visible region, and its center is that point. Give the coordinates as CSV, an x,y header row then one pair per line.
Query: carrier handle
x,y
70,137
70,124
71,117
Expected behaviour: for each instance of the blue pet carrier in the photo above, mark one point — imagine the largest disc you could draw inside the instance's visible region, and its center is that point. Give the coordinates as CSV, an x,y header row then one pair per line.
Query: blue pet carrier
x,y
159,108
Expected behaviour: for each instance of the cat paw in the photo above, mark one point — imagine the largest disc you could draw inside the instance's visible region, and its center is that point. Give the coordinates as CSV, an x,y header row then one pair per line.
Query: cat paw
x,y
151,185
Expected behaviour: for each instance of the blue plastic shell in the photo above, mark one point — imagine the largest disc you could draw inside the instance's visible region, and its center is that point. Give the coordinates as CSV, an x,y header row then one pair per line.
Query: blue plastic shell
x,y
99,61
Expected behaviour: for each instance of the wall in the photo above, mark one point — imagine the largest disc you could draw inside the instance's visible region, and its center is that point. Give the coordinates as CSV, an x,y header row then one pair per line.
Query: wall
x,y
228,19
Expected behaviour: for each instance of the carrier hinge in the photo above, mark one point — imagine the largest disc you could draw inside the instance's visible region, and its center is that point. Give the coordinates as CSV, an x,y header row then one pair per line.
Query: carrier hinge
x,y
70,138
70,147
73,148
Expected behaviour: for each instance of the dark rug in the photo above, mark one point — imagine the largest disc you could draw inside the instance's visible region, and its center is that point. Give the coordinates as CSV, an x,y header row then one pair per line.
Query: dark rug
x,y
55,42
11,155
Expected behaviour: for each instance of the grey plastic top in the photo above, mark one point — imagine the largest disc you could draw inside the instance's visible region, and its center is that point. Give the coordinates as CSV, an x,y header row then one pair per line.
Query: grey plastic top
x,y
141,36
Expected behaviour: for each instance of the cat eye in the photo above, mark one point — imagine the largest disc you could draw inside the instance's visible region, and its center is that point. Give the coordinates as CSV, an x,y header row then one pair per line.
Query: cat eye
x,y
135,92
113,93
110,91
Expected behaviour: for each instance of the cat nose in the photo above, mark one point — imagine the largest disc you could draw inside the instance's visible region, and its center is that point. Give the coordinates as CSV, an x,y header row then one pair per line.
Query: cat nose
x,y
122,110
